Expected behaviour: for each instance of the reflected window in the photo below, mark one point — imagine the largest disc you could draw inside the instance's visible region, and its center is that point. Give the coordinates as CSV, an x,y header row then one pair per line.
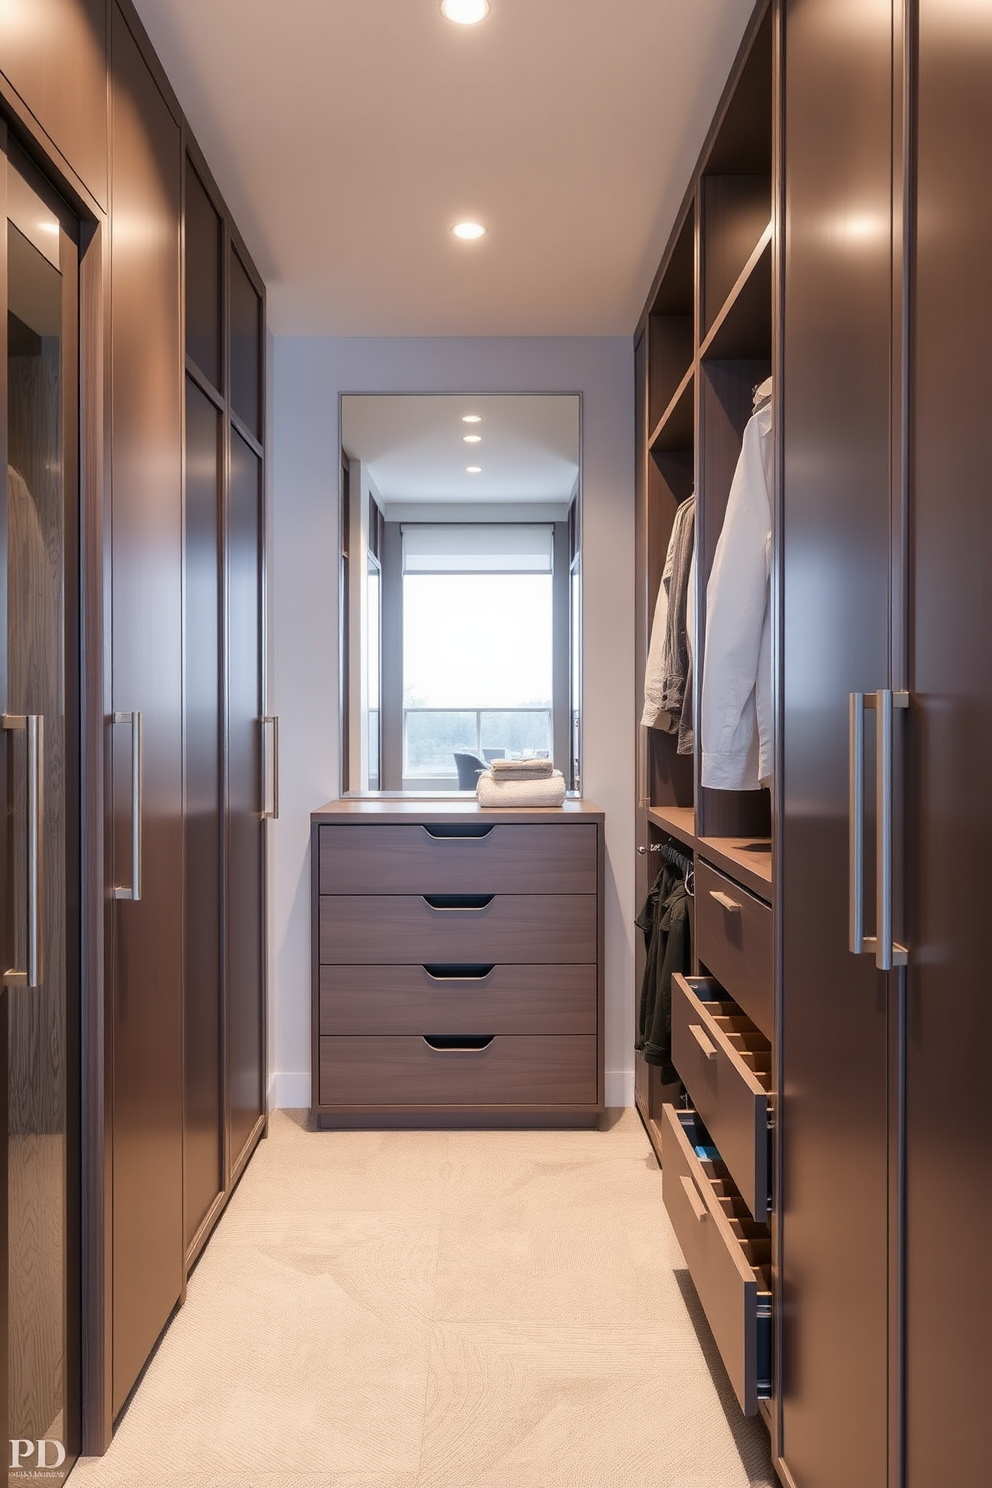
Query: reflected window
x,y
477,645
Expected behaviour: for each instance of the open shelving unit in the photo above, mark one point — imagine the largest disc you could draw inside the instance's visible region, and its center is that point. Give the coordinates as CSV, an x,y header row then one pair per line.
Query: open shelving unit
x,y
705,342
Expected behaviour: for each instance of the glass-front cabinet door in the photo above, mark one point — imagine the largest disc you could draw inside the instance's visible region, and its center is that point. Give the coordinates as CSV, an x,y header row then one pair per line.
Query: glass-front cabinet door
x,y
39,903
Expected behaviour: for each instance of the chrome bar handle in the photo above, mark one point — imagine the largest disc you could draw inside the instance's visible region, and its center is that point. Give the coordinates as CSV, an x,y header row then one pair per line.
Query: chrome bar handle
x,y
856,824
36,807
887,953
33,727
137,779
270,763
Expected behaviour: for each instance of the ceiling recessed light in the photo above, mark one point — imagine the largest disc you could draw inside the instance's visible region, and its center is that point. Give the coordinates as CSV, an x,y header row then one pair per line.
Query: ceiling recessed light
x,y
465,12
471,418
471,439
473,469
468,230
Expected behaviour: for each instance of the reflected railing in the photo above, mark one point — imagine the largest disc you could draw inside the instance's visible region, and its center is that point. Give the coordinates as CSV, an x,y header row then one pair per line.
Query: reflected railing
x,y
432,736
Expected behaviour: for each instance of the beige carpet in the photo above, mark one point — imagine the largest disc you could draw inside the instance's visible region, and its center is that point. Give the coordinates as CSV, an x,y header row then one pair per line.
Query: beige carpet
x,y
439,1310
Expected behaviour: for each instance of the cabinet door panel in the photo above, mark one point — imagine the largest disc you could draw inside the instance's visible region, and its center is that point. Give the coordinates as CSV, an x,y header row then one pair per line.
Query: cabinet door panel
x,y
147,967
949,1023
204,1096
246,902
836,540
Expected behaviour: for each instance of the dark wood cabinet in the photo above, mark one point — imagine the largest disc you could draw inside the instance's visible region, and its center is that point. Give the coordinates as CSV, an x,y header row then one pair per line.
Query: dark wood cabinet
x,y
457,964
947,1016
837,476
146,957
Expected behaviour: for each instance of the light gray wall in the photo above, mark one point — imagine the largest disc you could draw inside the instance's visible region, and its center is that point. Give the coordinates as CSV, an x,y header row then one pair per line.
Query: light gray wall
x,y
309,375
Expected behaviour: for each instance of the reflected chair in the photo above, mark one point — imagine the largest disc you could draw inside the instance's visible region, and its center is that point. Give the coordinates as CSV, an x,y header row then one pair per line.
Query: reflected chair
x,y
468,767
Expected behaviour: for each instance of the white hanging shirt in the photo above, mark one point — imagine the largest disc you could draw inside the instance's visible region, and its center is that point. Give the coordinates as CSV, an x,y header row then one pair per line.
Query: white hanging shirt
x,y
736,704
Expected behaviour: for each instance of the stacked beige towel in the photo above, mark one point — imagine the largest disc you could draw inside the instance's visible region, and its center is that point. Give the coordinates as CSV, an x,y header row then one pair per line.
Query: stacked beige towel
x,y
506,788
522,769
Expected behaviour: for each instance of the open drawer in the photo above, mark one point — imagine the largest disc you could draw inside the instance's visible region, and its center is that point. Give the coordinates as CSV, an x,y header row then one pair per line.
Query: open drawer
x,y
725,1064
728,1254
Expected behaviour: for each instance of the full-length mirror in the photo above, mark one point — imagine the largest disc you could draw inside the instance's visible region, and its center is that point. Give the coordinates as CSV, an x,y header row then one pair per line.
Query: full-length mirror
x,y
461,587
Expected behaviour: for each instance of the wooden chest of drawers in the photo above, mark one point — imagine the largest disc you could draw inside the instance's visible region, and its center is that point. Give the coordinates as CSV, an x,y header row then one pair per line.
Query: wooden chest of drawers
x,y
457,964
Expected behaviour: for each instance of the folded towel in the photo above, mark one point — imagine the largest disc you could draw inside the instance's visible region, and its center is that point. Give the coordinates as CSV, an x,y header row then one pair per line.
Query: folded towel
x,y
548,791
522,769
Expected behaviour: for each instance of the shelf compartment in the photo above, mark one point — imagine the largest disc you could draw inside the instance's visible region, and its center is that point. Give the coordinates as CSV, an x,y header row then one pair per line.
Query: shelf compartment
x,y
736,214
675,430
671,347
742,329
677,821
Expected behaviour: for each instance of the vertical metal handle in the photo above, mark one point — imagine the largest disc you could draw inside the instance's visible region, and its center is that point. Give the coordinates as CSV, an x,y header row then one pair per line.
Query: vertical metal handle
x,y
36,789
134,719
856,824
33,727
270,765
887,952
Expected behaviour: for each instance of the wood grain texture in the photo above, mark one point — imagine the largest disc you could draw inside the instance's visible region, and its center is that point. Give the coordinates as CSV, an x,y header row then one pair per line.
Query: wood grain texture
x,y
406,929
732,1103
721,1272
736,945
510,1071
408,999
409,860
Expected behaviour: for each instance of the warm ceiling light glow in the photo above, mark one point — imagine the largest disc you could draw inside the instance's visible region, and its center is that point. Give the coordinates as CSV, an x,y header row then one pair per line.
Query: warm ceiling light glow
x,y
465,12
468,230
471,439
473,469
471,418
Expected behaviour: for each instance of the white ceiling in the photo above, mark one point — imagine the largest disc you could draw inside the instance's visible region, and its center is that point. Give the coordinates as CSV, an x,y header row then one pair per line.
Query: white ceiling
x,y
414,446
348,135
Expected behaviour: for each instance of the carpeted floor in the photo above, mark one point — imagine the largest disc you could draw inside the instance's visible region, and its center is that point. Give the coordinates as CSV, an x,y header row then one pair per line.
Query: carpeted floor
x,y
439,1310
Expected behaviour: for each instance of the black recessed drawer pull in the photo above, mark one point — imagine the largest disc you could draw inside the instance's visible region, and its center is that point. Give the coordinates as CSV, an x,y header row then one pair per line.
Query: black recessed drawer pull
x,y
458,1043
468,973
459,831
458,901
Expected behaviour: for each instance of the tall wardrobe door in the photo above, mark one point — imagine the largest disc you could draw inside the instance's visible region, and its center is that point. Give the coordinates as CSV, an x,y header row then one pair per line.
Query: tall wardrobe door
x,y
835,397
204,1098
41,728
246,916
949,1017
146,456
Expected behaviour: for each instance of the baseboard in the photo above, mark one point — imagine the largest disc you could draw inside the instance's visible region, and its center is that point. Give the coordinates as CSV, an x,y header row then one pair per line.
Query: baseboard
x,y
619,1087
289,1090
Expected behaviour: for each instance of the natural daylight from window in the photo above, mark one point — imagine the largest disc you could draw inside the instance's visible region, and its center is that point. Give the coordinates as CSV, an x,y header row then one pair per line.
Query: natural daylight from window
x,y
477,667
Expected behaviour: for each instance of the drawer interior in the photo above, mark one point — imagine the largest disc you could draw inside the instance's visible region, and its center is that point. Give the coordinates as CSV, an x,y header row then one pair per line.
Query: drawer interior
x,y
749,1043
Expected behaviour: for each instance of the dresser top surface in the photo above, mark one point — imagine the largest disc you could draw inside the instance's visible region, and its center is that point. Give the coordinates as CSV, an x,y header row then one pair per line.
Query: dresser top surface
x,y
418,809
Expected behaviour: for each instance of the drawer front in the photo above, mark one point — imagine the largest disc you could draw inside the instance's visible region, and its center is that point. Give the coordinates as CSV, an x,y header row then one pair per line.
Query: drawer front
x,y
734,942
725,1065
505,859
391,929
721,1262
453,999
397,1071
